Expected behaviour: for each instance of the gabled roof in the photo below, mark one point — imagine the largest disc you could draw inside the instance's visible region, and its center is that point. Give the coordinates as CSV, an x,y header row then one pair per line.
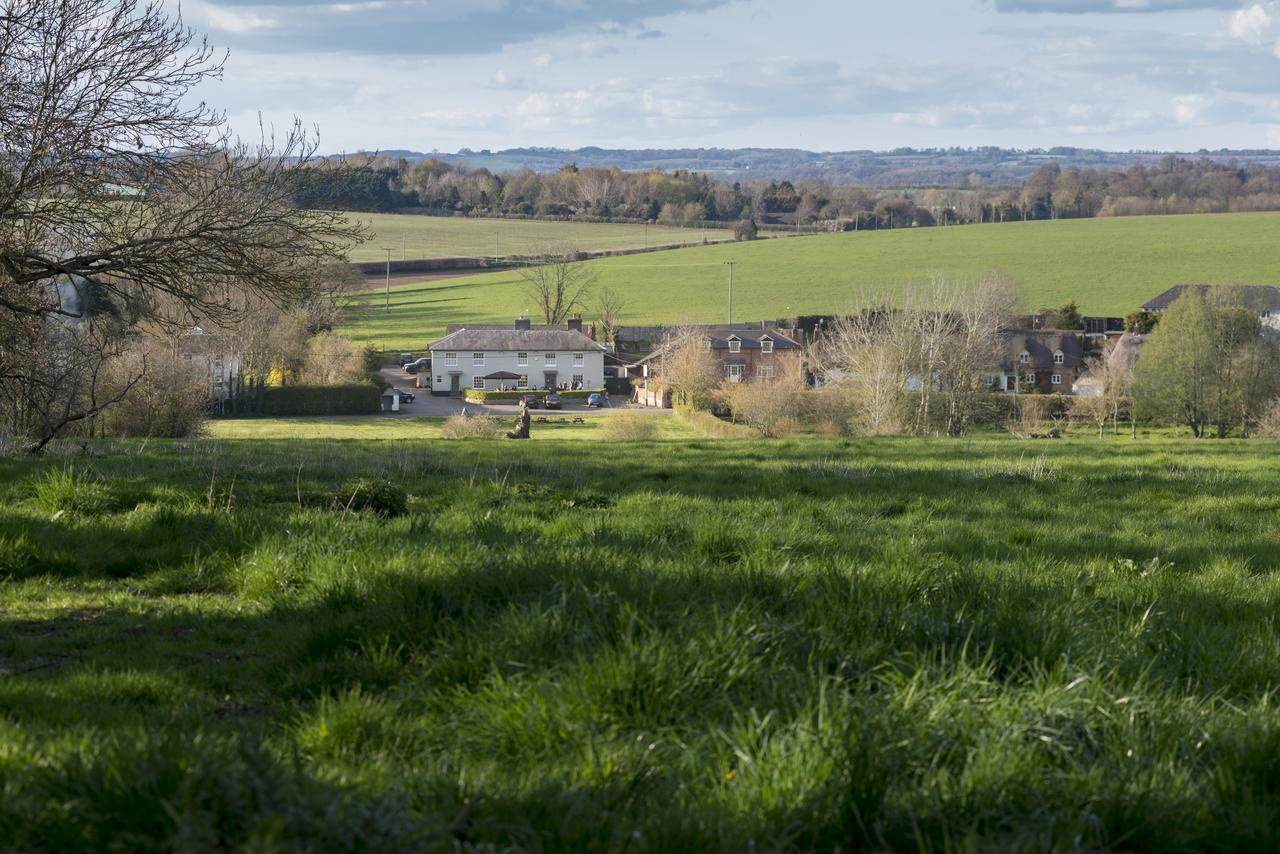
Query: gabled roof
x,y
1260,297
1040,345
505,338
749,338
719,336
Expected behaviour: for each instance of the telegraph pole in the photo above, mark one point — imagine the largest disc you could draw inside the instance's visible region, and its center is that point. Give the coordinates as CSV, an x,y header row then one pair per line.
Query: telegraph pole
x,y
730,265
388,251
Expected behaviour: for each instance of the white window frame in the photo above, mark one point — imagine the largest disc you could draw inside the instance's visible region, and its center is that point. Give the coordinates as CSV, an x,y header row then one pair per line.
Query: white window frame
x,y
549,358
1059,358
1024,357
451,360
735,373
1030,378
477,360
765,372
578,360
766,345
523,383
579,381
522,360
439,380
735,345
477,383
1055,379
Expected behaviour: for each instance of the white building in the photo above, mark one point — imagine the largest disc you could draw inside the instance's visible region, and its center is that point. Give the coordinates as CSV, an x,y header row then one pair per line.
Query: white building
x,y
521,356
214,355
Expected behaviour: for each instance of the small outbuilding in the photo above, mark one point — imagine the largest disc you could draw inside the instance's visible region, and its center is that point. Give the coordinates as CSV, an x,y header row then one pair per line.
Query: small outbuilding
x,y
390,399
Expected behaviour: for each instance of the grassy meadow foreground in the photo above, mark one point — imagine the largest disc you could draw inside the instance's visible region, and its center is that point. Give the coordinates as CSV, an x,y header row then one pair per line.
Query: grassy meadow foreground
x,y
661,645
1108,266
445,237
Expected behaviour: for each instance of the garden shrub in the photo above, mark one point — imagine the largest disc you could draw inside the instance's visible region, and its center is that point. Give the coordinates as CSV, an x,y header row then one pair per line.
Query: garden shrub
x,y
470,427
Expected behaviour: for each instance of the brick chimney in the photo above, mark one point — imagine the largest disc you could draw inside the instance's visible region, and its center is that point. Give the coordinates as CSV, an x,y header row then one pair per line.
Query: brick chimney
x,y
523,323
575,323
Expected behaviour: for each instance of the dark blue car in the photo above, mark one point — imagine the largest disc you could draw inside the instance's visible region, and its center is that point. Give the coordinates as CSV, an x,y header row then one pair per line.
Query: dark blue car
x,y
595,399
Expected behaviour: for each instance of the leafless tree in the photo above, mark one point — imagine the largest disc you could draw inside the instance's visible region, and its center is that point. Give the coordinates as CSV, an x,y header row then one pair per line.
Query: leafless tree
x,y
609,308
559,284
108,176
686,367
930,351
123,203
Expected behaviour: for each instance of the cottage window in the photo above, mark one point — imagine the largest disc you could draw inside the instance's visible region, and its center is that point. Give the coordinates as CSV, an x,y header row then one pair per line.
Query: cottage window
x,y
439,379
550,358
577,360
578,381
1058,357
477,382
765,372
477,359
451,360
523,382
522,359
1031,378
766,345
735,373
1024,357
1055,379
735,346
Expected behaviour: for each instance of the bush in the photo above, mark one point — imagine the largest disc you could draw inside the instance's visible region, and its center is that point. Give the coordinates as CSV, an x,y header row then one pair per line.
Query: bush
x,y
378,495
71,491
1268,426
473,395
350,399
470,427
630,426
745,230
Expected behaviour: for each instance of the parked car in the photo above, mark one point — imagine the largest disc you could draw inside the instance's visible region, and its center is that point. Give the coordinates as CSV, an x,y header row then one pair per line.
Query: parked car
x,y
417,365
595,399
406,396
405,358
531,400
551,401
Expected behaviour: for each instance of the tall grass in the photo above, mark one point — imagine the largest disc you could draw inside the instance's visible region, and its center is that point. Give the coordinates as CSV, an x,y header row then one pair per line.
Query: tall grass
x,y
794,644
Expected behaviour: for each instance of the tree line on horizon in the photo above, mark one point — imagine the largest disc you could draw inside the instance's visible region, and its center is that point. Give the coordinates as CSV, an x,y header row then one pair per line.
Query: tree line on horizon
x,y
1173,185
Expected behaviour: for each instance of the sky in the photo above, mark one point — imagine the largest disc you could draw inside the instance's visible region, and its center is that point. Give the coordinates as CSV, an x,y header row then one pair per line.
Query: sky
x,y
823,75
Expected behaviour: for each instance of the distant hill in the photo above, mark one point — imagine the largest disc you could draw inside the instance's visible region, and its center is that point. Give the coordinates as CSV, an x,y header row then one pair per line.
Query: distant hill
x,y
904,167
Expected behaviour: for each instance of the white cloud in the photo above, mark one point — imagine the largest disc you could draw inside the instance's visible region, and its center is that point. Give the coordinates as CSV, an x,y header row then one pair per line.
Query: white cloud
x,y
1254,24
233,21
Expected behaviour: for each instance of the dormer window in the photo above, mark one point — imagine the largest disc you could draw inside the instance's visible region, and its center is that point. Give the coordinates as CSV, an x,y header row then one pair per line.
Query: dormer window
x,y
1024,357
735,345
1058,357
766,345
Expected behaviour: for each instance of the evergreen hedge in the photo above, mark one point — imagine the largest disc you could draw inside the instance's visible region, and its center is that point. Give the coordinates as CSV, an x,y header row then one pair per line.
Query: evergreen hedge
x,y
352,399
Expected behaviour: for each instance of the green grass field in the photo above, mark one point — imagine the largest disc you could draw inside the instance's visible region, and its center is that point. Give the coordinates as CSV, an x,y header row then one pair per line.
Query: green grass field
x,y
374,427
1109,266
692,645
410,236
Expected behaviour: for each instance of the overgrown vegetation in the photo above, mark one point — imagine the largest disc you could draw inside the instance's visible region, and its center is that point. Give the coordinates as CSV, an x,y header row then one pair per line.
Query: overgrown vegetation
x,y
799,644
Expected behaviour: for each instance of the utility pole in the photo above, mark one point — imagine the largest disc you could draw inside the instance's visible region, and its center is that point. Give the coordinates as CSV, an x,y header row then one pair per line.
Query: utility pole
x,y
403,242
388,251
496,253
730,265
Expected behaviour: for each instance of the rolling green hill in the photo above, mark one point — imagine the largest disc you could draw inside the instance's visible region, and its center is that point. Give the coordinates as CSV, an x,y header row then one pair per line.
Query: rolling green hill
x,y
410,236
1109,266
